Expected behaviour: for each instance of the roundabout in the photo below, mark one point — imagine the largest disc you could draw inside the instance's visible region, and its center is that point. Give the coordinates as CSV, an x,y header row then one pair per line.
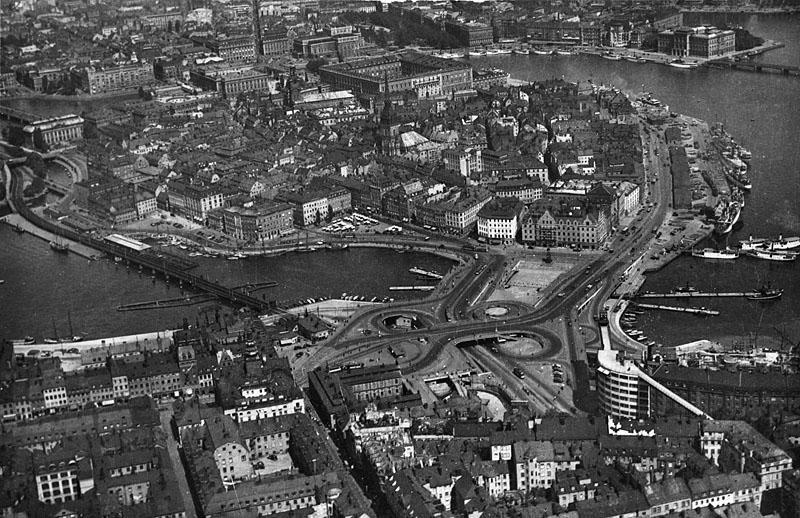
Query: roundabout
x,y
399,322
499,310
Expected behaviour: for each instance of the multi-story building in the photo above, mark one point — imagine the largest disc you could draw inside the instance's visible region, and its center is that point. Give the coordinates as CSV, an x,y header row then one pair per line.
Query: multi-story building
x,y
275,42
565,223
57,130
463,160
233,49
498,221
258,222
735,445
342,41
536,464
230,80
470,34
622,391
171,21
526,190
704,42
426,75
194,201
309,209
94,80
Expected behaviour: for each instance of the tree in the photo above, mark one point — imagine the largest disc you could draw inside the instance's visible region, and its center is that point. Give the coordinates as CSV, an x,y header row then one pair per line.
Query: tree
x,y
16,137
317,218
37,164
38,140
314,64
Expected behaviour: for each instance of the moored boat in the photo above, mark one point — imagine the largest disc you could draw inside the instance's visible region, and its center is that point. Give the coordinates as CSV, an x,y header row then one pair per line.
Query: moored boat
x,y
28,340
540,52
679,63
771,255
780,244
711,253
766,293
59,246
610,56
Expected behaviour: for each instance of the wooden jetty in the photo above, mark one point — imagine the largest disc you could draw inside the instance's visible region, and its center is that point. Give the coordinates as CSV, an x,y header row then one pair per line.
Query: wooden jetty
x,y
696,311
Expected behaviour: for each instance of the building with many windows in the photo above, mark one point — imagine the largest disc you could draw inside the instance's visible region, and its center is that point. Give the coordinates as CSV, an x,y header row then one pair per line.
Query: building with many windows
x,y
56,130
259,221
498,221
230,80
702,42
426,75
563,222
470,34
96,80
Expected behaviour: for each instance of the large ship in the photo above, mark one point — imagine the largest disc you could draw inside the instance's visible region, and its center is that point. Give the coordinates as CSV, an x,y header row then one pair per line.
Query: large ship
x,y
771,255
766,293
730,215
711,253
780,244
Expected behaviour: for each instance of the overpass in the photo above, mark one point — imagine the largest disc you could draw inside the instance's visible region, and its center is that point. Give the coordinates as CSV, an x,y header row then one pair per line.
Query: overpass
x,y
169,268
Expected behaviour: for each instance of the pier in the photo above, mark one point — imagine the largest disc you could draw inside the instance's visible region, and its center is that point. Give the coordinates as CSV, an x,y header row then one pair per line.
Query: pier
x,y
189,300
755,66
412,288
696,311
425,273
695,294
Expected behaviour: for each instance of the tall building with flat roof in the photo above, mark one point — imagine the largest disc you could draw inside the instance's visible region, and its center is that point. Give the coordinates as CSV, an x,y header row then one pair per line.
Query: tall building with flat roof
x,y
426,75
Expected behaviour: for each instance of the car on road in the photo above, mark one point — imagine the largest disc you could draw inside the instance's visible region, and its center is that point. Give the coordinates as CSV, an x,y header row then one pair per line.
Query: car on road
x,y
518,373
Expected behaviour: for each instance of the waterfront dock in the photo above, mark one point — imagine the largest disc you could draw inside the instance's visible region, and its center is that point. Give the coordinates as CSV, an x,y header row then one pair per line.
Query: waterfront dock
x,y
425,273
696,311
412,288
696,295
189,300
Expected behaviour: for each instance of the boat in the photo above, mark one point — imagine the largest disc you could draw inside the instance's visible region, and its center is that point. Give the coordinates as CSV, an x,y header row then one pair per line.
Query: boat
x,y
28,340
771,255
540,52
59,246
729,218
635,59
780,244
745,154
523,52
679,63
766,293
564,52
504,51
785,243
711,253
610,56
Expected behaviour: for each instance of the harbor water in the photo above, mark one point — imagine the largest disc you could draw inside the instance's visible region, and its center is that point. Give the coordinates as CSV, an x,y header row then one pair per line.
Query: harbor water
x,y
43,289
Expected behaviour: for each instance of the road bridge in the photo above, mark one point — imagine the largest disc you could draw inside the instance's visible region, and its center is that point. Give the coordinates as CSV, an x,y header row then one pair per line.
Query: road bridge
x,y
755,66
169,268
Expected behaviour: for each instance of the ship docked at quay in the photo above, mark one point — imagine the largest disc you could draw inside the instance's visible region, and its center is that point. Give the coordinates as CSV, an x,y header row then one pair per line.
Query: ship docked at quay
x,y
729,213
711,253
